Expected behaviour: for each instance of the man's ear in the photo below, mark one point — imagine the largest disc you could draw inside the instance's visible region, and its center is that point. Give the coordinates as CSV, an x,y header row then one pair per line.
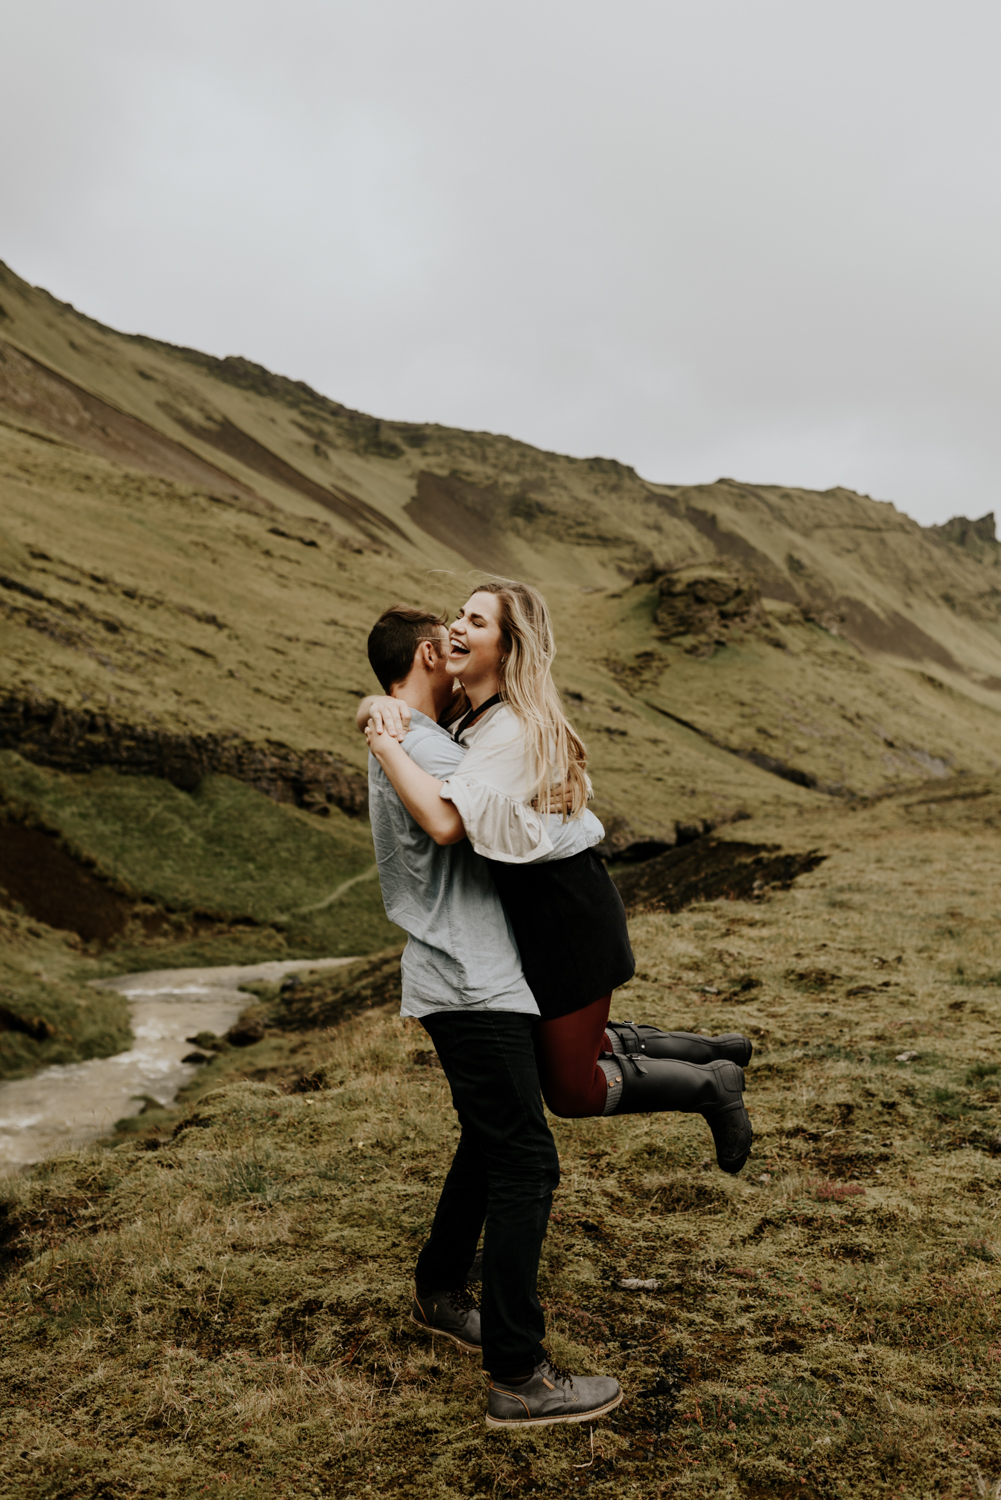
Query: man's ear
x,y
428,655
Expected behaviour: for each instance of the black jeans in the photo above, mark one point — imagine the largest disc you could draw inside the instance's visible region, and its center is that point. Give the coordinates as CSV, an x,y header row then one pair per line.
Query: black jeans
x,y
504,1172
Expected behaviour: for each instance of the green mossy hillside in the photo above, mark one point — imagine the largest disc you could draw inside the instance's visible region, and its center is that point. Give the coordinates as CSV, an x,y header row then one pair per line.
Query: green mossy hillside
x,y
47,1014
223,852
223,848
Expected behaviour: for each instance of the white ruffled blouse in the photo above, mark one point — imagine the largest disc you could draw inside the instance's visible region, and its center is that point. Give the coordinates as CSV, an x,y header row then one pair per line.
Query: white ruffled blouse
x,y
492,790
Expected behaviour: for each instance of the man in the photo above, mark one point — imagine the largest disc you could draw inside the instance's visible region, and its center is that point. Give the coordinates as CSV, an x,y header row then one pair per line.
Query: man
x,y
462,979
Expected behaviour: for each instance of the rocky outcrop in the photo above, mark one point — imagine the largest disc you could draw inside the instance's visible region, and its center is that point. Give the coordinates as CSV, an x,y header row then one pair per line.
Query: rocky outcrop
x,y
68,739
973,535
706,603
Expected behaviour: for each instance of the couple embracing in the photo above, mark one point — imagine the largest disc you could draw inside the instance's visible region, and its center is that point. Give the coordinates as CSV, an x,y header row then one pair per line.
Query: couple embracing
x,y
516,939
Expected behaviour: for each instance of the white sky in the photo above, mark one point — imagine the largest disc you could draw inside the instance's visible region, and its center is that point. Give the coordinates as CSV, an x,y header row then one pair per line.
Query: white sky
x,y
757,238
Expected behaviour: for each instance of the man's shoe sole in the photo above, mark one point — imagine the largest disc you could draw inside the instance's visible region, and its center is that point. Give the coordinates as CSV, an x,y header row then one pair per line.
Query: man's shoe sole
x,y
442,1333
584,1416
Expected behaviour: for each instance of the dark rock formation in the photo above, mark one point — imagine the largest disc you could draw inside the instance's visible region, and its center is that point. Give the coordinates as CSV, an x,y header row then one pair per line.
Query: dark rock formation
x,y
50,734
705,602
969,534
245,1033
711,870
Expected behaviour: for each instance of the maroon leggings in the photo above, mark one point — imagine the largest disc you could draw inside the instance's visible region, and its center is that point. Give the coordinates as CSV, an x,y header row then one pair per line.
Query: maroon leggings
x,y
567,1052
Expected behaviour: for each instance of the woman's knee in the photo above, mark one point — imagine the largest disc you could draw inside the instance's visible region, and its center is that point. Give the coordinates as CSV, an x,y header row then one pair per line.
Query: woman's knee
x,y
570,1101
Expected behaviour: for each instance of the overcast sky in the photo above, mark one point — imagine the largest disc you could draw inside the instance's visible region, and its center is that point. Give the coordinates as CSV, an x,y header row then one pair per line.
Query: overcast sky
x,y
757,238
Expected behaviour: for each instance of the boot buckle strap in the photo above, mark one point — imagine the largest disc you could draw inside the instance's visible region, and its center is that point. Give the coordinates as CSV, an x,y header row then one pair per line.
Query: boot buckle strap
x,y
628,1037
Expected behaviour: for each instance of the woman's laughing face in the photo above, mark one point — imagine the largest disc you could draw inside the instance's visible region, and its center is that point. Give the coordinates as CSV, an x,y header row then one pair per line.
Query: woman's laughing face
x,y
476,645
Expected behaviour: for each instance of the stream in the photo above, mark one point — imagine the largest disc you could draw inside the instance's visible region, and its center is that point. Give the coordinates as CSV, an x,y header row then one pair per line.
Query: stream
x,y
67,1106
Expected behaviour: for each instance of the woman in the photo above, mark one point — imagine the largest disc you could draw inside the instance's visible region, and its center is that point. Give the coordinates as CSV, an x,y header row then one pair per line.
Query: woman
x,y
566,914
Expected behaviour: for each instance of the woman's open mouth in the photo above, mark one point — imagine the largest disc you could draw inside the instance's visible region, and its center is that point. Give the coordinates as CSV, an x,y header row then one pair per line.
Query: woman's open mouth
x,y
458,649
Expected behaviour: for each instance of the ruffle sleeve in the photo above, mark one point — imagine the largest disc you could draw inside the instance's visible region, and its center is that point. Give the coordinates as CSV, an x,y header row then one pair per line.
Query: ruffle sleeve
x,y
497,826
570,837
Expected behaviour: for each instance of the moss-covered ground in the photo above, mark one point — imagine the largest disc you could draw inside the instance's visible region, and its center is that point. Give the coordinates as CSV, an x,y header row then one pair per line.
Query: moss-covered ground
x,y
48,1014
128,873
223,851
216,1303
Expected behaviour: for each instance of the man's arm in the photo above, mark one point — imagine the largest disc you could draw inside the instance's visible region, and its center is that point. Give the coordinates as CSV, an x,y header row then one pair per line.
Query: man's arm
x,y
389,714
419,792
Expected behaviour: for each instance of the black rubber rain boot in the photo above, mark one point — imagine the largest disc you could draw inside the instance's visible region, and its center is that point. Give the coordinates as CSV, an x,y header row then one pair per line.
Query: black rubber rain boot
x,y
629,1039
713,1090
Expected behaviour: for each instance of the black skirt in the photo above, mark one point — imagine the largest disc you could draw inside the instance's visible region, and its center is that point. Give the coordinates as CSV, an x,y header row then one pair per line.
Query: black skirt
x,y
570,927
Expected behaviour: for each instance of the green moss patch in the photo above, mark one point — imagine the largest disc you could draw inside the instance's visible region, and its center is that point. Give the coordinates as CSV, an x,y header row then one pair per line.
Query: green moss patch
x,y
130,862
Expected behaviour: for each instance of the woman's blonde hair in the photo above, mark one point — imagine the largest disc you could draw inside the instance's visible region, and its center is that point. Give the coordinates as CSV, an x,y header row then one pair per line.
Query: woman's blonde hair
x,y
527,685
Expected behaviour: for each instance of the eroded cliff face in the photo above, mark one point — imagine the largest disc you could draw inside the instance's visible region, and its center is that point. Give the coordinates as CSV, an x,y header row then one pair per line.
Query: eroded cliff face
x,y
53,734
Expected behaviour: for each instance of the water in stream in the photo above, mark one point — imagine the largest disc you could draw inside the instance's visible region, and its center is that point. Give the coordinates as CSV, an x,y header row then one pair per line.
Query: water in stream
x,y
64,1107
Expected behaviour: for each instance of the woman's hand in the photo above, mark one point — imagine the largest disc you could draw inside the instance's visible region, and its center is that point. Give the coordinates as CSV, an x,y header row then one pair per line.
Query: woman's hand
x,y
419,792
381,741
389,715
555,803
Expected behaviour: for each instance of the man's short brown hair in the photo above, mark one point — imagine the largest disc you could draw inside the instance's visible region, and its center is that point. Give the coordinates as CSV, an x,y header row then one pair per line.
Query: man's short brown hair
x,y
395,637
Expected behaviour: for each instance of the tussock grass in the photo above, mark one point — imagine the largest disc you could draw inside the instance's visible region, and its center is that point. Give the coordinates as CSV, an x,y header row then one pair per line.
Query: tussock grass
x,y
219,1306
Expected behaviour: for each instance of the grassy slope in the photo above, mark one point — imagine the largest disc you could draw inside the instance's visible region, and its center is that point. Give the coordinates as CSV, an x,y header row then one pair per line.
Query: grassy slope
x,y
227,1314
219,875
284,656
223,850
42,982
